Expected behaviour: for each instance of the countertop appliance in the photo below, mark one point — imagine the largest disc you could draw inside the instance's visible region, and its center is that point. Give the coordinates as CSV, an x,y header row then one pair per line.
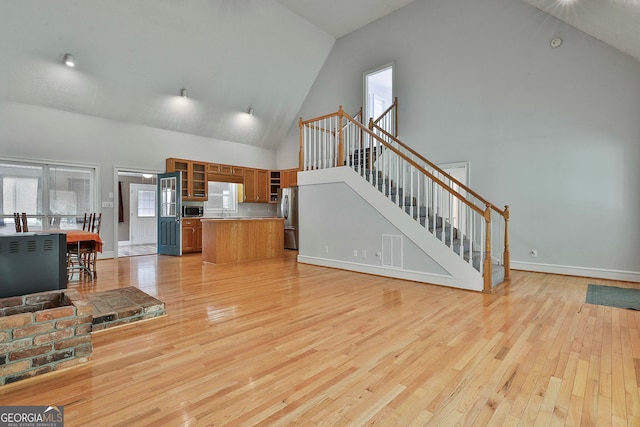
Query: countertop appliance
x,y
288,209
192,211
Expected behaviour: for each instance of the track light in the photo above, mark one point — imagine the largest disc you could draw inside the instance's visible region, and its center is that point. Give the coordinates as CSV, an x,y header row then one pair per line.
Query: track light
x,y
250,110
68,60
183,93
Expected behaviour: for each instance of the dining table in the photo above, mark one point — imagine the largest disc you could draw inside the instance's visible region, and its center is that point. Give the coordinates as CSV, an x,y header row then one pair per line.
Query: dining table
x,y
79,243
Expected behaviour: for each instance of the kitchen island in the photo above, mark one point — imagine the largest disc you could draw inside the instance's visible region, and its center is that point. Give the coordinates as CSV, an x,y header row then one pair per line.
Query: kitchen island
x,y
227,240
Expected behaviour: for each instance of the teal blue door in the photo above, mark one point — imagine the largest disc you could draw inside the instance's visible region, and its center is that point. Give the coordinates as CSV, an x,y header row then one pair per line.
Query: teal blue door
x,y
169,208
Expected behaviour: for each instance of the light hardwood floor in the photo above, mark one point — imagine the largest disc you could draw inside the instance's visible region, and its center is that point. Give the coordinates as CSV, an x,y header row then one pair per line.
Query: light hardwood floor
x,y
279,343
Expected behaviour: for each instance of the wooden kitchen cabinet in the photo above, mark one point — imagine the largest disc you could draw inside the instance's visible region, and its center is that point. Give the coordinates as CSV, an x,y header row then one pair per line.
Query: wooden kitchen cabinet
x,y
275,183
225,173
241,239
194,178
293,177
256,185
288,178
191,235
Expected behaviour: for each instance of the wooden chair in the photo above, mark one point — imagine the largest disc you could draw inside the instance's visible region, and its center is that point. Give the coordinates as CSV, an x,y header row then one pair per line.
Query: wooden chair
x,y
93,223
17,222
96,222
86,221
88,253
25,227
20,222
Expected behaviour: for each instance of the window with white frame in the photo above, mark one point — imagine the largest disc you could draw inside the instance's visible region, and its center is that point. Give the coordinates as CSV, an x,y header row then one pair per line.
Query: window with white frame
x,y
53,196
223,197
146,203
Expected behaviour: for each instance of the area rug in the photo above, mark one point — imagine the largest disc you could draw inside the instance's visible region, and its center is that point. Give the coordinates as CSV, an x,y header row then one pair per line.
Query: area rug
x,y
613,296
121,306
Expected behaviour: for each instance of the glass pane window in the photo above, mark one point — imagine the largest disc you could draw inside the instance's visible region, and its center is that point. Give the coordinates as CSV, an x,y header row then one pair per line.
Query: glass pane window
x,y
146,204
70,190
223,197
21,188
168,193
52,196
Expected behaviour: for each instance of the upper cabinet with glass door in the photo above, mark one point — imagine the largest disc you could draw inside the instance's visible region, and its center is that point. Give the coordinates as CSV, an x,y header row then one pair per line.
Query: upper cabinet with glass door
x,y
194,178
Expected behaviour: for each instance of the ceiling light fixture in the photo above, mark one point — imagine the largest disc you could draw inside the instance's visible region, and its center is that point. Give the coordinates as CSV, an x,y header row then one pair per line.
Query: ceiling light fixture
x,y
147,175
250,110
183,93
68,60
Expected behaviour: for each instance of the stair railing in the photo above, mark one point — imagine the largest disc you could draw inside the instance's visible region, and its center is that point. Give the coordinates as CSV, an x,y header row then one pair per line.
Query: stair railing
x,y
500,235
388,120
338,139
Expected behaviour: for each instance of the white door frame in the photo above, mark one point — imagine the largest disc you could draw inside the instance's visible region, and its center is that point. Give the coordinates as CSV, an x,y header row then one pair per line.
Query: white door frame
x,y
116,204
133,209
365,87
466,165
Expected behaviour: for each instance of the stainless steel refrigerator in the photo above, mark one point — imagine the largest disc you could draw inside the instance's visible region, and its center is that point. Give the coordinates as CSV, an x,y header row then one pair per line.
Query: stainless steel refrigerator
x,y
288,209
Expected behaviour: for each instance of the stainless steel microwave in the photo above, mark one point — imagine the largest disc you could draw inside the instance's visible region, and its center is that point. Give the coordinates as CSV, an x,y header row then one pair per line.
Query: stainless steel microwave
x,y
188,211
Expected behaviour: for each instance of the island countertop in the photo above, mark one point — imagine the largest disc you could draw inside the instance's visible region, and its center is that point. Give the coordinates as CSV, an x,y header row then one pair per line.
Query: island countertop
x,y
238,239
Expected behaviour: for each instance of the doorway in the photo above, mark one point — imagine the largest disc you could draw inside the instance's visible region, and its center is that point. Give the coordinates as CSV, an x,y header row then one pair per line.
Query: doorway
x,y
136,216
143,229
378,91
461,172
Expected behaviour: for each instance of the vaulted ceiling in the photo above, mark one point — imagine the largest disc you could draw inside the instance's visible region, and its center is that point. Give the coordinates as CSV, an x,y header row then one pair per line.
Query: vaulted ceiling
x,y
134,56
615,22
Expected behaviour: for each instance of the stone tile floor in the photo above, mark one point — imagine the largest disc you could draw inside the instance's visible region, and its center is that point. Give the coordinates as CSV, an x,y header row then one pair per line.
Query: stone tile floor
x,y
122,306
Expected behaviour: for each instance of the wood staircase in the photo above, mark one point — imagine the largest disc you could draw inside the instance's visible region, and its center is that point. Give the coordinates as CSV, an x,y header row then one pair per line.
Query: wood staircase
x,y
421,189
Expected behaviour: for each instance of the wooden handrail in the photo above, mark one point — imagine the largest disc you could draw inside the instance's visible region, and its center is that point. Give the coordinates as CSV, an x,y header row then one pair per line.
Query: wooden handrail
x,y
484,212
434,166
341,112
364,129
415,165
359,114
395,118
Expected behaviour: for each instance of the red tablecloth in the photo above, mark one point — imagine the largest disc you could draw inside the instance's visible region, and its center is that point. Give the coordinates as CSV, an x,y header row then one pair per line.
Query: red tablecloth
x,y
75,236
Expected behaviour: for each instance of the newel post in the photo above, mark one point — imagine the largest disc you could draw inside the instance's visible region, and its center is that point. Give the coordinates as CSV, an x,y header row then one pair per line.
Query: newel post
x,y
395,118
301,152
488,285
507,251
340,139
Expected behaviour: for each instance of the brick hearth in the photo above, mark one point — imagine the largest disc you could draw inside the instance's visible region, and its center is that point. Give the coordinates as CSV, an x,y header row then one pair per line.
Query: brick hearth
x,y
121,306
43,332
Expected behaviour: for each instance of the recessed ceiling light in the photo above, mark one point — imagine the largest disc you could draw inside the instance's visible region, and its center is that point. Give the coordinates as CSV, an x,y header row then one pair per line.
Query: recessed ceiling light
x,y
68,60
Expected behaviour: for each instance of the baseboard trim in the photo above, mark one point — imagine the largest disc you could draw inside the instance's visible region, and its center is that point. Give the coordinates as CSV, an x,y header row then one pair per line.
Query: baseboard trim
x,y
415,276
597,273
106,254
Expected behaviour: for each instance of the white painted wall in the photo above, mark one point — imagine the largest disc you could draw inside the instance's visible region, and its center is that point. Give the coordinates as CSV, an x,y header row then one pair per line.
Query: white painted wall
x,y
32,132
552,132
